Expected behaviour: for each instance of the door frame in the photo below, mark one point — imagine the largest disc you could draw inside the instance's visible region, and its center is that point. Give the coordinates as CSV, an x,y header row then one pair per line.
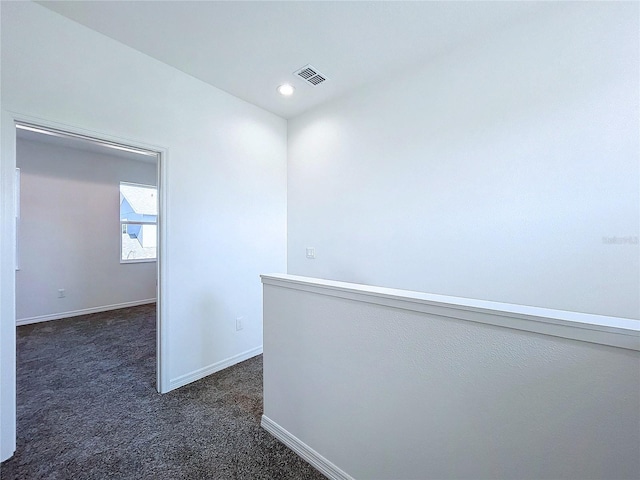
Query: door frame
x,y
8,246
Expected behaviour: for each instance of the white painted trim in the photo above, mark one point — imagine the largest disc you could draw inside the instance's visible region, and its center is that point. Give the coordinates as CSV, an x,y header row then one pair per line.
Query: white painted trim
x,y
600,329
307,453
84,311
190,377
7,286
9,119
162,292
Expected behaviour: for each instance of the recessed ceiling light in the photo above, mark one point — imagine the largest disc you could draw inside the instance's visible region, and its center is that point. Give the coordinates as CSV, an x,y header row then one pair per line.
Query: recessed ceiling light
x,y
286,90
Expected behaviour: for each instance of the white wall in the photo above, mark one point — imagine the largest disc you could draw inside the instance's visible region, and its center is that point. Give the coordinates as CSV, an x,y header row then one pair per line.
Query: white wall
x,y
492,171
224,176
373,392
69,233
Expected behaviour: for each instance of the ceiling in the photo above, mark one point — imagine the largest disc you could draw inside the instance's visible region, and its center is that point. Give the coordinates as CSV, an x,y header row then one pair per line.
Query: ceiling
x,y
248,48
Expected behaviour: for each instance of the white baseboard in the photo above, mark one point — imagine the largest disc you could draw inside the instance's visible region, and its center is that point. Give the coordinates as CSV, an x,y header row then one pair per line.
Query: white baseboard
x,y
307,453
84,311
187,378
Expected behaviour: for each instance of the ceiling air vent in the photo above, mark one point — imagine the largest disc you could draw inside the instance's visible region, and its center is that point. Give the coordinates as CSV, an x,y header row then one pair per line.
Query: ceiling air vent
x,y
310,75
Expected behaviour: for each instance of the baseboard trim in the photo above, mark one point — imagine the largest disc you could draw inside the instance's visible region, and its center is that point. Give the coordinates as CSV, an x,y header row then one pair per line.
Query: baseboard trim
x,y
84,311
307,453
187,378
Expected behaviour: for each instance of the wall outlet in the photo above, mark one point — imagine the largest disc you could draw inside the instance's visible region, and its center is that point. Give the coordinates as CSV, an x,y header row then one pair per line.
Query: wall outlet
x,y
61,293
311,252
239,322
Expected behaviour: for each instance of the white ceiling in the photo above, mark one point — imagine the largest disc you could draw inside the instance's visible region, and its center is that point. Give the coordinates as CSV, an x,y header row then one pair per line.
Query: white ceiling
x,y
248,48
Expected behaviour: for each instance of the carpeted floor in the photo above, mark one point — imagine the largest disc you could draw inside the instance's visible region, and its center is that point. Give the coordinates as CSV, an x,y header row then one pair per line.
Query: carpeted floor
x,y
88,409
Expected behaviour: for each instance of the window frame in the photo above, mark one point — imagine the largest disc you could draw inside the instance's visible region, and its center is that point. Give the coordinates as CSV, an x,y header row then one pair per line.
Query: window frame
x,y
125,223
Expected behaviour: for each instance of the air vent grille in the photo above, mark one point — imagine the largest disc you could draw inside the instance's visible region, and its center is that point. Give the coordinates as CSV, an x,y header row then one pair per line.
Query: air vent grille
x,y
310,75
315,80
307,73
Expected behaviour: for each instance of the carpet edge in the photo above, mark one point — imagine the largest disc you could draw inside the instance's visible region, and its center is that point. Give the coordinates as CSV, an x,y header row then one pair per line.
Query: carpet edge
x,y
307,453
200,373
84,311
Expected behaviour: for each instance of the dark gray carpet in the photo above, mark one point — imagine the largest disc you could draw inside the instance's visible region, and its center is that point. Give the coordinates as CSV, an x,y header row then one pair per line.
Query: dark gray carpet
x,y
88,409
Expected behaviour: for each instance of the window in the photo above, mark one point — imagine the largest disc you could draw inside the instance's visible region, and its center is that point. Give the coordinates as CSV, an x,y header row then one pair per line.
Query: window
x,y
138,222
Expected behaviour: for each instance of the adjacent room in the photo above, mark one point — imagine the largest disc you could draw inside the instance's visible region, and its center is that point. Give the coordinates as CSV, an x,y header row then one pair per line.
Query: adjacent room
x,y
77,198
394,240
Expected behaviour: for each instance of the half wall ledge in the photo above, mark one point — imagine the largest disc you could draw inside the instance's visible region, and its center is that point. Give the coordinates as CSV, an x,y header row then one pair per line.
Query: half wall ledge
x,y
599,329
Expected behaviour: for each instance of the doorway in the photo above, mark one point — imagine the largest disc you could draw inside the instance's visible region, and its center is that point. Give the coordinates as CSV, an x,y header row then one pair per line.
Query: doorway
x,y
74,187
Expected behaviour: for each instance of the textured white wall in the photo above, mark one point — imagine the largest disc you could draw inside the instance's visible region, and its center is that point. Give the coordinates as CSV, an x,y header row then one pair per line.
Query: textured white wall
x,y
70,231
387,393
493,171
224,174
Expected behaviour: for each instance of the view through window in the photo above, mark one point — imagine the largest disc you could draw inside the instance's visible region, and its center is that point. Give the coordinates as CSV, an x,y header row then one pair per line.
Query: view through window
x,y
138,222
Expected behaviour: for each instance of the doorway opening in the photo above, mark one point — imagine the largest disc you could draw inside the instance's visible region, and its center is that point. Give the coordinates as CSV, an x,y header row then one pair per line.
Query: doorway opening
x,y
69,236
